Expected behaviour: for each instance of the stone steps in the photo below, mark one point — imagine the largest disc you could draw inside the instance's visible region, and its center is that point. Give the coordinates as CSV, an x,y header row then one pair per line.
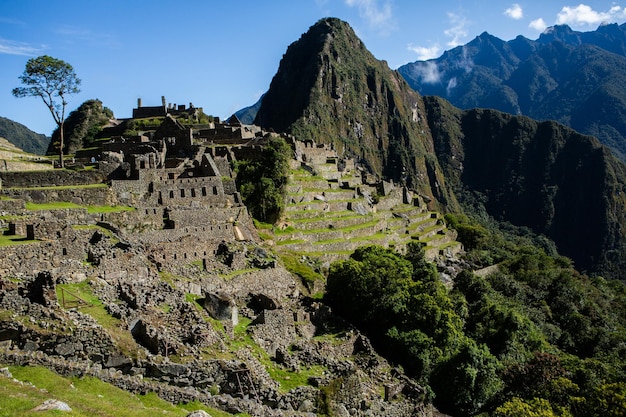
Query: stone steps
x,y
331,222
316,235
327,216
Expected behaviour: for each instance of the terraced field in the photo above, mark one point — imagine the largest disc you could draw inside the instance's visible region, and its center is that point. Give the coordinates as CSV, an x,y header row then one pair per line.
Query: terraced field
x,y
330,213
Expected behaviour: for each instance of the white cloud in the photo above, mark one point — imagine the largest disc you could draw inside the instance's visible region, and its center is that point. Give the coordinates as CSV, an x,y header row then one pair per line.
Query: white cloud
x,y
451,85
457,31
18,48
424,52
428,72
465,62
378,16
75,34
584,15
514,12
538,24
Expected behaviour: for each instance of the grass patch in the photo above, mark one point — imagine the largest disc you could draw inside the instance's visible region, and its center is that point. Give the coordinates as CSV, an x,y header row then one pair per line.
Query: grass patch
x,y
62,205
81,297
377,236
347,215
87,396
10,240
61,187
286,378
261,225
57,205
294,265
193,299
236,273
290,242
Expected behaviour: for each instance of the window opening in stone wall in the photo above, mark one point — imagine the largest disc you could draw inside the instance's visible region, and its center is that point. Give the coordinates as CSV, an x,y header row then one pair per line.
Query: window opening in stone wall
x,y
203,191
193,192
170,175
214,190
172,194
182,192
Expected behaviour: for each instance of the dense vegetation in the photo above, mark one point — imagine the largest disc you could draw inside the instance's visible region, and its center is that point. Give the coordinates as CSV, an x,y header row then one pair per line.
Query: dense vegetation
x,y
22,137
534,334
262,182
82,127
542,175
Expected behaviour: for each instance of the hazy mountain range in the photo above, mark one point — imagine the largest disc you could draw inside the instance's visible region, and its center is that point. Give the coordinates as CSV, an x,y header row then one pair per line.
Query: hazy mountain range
x,y
575,78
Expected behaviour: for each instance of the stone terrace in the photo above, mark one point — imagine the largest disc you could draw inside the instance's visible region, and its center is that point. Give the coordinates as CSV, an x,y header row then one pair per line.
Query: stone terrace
x,y
332,209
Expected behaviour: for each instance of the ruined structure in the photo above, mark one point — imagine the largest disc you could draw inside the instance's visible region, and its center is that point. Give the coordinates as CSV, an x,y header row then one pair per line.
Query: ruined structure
x,y
177,230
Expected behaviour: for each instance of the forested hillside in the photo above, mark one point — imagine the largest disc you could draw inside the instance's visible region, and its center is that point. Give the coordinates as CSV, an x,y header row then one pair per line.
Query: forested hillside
x,y
532,336
22,137
547,177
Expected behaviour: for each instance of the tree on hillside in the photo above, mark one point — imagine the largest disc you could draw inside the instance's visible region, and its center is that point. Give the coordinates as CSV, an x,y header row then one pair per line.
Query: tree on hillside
x,y
52,80
262,182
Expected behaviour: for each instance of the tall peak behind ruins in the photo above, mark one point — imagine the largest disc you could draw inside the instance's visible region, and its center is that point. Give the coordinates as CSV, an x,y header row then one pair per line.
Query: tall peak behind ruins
x,y
330,89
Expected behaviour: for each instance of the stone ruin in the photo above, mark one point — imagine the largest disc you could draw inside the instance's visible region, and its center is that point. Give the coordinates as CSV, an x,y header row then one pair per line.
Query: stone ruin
x,y
186,220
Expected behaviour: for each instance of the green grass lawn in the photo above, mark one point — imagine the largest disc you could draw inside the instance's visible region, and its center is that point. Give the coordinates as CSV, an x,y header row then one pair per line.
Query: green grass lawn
x,y
61,187
62,205
87,396
9,240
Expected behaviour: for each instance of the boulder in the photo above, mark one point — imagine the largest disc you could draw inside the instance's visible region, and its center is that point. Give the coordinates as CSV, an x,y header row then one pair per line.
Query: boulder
x,y
52,405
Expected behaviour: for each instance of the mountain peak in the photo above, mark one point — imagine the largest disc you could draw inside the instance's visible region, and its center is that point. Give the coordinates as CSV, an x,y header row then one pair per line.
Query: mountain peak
x,y
561,33
330,89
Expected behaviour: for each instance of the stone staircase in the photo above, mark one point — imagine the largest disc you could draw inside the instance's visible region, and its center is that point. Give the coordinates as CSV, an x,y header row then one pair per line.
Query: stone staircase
x,y
329,213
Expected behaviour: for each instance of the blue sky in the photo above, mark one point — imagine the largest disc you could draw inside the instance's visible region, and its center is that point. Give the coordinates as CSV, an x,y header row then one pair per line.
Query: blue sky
x,y
222,55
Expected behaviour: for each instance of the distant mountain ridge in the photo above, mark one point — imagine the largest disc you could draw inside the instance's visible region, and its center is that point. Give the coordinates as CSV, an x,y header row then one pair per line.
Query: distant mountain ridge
x,y
542,175
575,78
22,137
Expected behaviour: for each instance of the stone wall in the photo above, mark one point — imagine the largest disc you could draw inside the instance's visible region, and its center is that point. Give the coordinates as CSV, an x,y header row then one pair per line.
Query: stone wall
x,y
92,196
50,178
24,260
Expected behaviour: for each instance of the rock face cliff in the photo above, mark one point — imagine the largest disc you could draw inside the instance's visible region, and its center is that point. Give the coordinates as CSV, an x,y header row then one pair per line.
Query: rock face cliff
x,y
331,89
537,174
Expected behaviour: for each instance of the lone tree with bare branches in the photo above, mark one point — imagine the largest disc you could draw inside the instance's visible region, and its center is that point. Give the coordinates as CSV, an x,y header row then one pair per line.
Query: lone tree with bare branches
x,y
51,79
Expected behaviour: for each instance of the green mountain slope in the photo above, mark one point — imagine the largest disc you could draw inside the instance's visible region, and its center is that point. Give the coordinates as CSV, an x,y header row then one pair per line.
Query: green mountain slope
x,y
565,185
331,89
537,174
22,137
